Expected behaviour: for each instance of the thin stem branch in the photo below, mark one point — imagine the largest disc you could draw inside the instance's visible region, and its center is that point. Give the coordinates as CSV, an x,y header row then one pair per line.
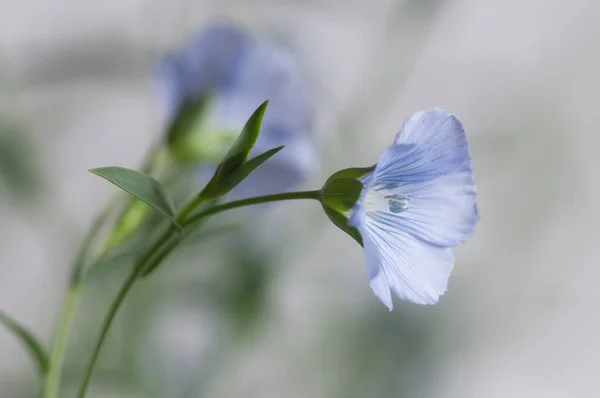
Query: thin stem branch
x,y
124,291
114,307
57,355
160,250
54,368
251,201
227,206
190,208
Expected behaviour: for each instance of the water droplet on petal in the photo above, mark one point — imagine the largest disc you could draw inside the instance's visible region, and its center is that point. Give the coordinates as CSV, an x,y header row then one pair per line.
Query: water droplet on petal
x,y
398,202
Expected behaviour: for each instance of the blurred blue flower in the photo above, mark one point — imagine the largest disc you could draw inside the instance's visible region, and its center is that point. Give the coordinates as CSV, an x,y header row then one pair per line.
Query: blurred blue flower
x,y
239,72
415,206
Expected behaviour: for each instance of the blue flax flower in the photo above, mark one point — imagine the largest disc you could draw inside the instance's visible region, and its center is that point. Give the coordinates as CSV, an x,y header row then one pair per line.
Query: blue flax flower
x,y
239,72
415,206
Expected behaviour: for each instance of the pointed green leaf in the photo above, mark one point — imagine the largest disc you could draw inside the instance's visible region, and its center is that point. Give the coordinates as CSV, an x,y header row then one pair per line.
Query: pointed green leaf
x,y
141,186
29,341
219,187
353,172
248,168
341,222
341,194
239,151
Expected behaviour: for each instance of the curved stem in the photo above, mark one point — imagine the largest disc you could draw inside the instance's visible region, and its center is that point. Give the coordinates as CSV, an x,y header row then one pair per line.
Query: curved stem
x,y
123,292
252,201
188,210
114,307
77,272
116,304
160,250
57,356
160,256
55,364
57,353
227,206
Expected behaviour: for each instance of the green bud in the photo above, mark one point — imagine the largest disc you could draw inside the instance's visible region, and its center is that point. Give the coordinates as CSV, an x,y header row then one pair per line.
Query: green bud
x,y
191,139
341,194
342,190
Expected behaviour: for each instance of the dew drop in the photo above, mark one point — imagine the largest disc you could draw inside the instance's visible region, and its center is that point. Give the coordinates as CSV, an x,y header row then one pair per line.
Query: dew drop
x,y
398,202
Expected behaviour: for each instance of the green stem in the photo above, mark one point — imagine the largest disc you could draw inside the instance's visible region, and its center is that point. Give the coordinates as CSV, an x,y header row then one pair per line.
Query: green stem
x,y
124,291
114,307
55,364
160,256
59,348
227,206
104,332
188,210
161,249
53,377
87,244
252,201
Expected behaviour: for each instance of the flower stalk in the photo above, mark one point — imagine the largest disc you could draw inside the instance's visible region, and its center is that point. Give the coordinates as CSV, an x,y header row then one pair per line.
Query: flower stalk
x,y
160,250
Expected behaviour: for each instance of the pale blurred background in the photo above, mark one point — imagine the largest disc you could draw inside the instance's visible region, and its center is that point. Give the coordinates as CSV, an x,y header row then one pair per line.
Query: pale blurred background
x,y
519,319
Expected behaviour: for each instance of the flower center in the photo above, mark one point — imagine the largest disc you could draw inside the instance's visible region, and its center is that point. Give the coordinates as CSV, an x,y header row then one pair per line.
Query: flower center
x,y
397,202
379,198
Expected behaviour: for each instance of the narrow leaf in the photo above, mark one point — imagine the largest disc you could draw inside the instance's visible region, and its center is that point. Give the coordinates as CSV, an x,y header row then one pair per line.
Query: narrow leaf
x,y
248,168
341,222
140,185
29,341
239,151
218,187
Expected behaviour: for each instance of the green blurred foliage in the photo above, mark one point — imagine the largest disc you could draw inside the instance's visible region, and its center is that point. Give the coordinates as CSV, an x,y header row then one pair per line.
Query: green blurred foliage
x,y
19,169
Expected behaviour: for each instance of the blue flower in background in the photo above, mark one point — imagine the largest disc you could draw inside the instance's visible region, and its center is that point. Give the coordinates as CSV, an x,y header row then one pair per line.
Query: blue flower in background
x,y
415,206
240,72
